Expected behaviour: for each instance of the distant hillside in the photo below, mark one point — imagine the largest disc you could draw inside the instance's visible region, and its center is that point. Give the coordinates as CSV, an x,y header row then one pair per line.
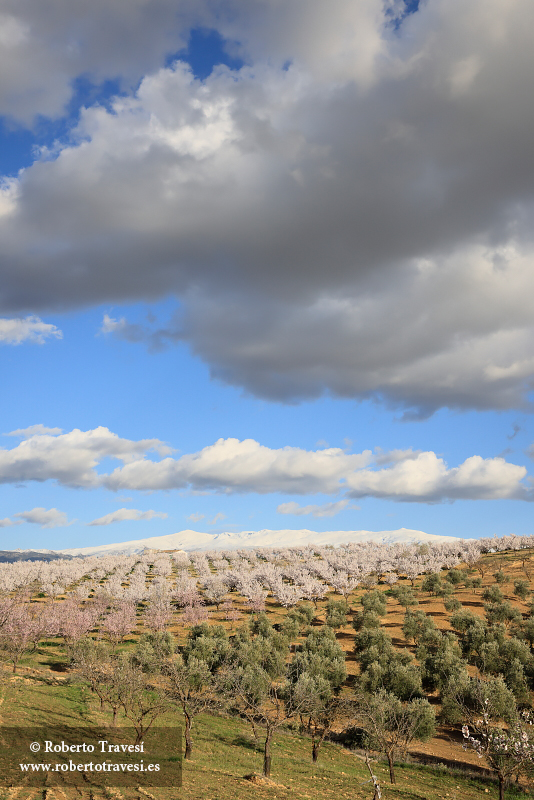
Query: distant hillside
x,y
9,556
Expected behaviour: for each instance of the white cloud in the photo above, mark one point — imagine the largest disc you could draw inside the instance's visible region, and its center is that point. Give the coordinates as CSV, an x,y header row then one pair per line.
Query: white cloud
x,y
128,514
217,518
46,518
195,517
234,466
428,479
29,329
110,325
231,465
39,429
358,222
69,458
7,523
325,510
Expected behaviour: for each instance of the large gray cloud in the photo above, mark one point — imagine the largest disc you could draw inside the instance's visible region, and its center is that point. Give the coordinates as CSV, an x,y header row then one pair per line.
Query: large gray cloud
x,y
358,222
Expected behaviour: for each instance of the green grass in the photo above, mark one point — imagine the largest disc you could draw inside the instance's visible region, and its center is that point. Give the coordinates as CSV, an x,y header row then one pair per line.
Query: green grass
x,y
224,752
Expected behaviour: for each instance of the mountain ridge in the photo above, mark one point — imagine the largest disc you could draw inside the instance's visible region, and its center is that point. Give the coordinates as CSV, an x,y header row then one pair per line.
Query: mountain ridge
x,y
189,540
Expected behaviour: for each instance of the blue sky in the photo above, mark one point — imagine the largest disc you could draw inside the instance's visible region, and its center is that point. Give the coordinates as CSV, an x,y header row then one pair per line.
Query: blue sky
x,y
281,249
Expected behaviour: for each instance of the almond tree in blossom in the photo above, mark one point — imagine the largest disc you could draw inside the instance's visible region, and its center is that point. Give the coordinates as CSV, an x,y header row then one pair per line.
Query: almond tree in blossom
x,y
159,613
53,590
120,622
215,590
22,631
194,615
342,583
186,593
68,620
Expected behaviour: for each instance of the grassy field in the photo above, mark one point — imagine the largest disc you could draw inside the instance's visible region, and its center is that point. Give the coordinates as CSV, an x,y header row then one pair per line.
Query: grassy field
x,y
225,753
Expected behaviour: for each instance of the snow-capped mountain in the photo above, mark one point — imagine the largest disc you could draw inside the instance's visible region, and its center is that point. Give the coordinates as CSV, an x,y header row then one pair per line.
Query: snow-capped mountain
x,y
194,540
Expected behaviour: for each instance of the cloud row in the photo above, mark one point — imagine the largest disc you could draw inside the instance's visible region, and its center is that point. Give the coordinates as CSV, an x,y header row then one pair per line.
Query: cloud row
x,y
52,518
234,466
351,212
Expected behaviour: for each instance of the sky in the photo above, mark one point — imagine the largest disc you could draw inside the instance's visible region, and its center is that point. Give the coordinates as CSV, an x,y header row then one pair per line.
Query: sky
x,y
265,266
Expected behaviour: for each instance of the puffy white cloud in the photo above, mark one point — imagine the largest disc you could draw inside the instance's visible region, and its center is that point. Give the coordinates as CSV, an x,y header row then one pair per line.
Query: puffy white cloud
x,y
231,465
46,518
234,466
325,510
6,523
30,329
69,458
358,222
427,478
122,514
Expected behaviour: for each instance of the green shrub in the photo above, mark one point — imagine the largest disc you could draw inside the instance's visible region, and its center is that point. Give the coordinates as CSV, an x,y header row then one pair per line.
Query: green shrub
x,y
374,601
492,594
521,589
452,604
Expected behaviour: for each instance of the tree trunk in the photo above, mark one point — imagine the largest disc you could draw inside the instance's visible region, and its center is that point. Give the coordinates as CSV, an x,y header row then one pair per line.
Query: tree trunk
x,y
267,755
501,787
114,720
317,740
188,740
377,794
254,731
140,734
391,769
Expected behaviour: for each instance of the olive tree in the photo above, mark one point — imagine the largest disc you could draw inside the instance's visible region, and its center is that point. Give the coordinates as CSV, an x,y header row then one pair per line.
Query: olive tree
x,y
255,681
384,667
391,725
315,676
191,675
